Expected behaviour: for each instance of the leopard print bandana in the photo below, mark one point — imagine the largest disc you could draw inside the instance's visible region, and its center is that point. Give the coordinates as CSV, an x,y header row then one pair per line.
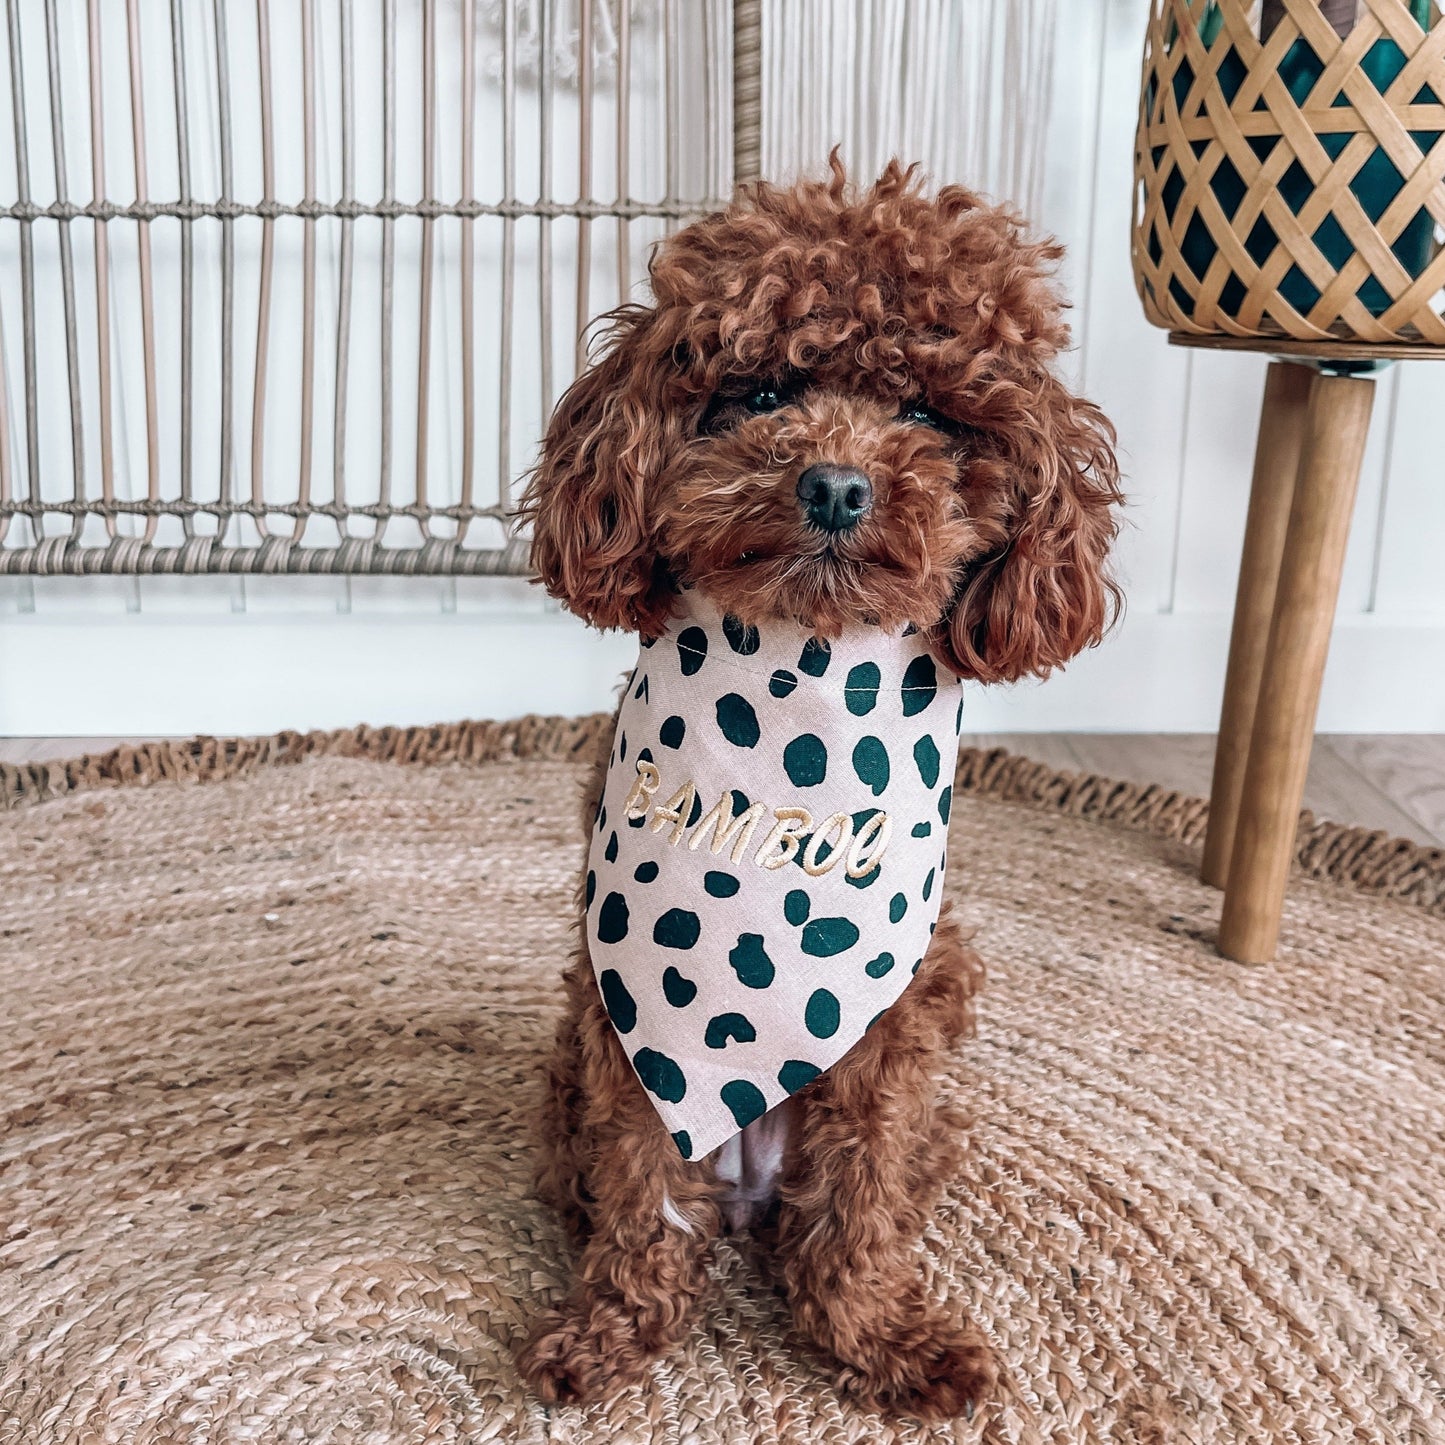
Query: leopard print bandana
x,y
767,864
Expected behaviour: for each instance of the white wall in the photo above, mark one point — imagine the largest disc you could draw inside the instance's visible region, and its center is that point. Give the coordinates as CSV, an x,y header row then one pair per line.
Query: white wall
x,y
1187,423
156,655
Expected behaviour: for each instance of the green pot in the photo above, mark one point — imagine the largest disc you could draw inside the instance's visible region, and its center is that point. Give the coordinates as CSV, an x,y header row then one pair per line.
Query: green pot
x,y
1375,185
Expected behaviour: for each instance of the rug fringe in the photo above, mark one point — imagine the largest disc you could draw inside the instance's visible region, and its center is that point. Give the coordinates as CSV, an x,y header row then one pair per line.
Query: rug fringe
x,y
1369,860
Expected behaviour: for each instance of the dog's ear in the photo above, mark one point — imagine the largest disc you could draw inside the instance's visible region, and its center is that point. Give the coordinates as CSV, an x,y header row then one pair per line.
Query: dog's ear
x,y
587,500
1044,594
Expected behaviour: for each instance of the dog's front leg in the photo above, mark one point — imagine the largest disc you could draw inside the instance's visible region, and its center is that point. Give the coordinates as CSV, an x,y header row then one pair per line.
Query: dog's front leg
x,y
653,1217
872,1150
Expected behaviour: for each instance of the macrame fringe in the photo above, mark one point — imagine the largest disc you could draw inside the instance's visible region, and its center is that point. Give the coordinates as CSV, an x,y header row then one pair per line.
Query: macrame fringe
x,y
1369,860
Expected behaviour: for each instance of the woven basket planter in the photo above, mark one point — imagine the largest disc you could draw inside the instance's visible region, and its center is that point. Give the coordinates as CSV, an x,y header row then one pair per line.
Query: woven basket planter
x,y
1291,186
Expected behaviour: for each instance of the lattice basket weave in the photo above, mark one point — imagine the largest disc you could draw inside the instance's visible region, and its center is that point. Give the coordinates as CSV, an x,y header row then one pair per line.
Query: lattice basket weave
x,y
1292,187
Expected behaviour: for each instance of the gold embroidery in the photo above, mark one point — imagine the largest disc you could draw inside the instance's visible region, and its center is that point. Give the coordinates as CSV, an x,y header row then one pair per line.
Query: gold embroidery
x,y
862,850
781,845
727,825
842,824
862,860
675,811
645,785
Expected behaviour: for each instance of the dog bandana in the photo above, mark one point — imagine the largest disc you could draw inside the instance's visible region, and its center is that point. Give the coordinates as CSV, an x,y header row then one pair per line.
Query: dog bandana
x,y
767,864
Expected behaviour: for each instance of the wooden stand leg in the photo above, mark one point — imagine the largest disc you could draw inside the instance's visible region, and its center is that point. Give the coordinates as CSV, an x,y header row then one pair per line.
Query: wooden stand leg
x,y
1276,461
1337,422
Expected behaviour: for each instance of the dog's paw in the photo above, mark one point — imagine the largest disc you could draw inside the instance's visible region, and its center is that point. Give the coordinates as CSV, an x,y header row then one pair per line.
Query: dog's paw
x,y
943,1376
578,1358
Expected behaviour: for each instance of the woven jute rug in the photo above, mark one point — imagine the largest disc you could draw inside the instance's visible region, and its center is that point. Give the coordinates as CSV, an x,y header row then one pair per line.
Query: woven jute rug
x,y
274,1014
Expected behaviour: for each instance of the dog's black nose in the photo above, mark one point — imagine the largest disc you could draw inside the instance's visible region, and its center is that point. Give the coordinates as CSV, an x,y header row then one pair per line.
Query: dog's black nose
x,y
834,498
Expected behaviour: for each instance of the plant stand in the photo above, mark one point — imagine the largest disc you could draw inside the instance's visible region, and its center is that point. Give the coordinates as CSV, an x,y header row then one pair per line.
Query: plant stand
x,y
1312,432
1289,183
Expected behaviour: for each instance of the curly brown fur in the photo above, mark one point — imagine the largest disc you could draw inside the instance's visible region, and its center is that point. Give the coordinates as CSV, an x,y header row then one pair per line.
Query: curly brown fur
x,y
910,338
872,1133
648,1218
993,534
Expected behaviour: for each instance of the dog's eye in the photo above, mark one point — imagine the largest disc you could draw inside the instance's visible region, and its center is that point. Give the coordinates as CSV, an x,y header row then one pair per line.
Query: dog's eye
x,y
920,414
751,396
763,400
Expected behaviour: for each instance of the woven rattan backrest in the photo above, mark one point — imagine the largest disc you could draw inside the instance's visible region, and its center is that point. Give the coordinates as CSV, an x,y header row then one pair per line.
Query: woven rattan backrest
x,y
1264,200
313,291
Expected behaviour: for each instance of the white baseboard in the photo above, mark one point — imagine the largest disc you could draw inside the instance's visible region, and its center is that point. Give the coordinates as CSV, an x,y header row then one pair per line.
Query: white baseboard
x,y
142,674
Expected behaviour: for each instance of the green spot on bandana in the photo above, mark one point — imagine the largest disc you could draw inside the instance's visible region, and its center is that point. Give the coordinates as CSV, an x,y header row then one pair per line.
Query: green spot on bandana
x,y
676,989
870,762
824,937
738,721
805,760
743,640
691,650
822,1014
728,1027
925,754
797,1074
879,966
612,919
860,691
621,1007
750,961
744,1100
920,685
815,657
677,928
660,1074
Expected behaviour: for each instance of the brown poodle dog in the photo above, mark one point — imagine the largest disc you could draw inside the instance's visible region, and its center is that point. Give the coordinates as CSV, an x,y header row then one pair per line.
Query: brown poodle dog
x,y
904,344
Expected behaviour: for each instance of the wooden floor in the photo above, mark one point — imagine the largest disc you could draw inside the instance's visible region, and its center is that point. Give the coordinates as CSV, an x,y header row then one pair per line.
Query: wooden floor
x,y
1395,781
1391,781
